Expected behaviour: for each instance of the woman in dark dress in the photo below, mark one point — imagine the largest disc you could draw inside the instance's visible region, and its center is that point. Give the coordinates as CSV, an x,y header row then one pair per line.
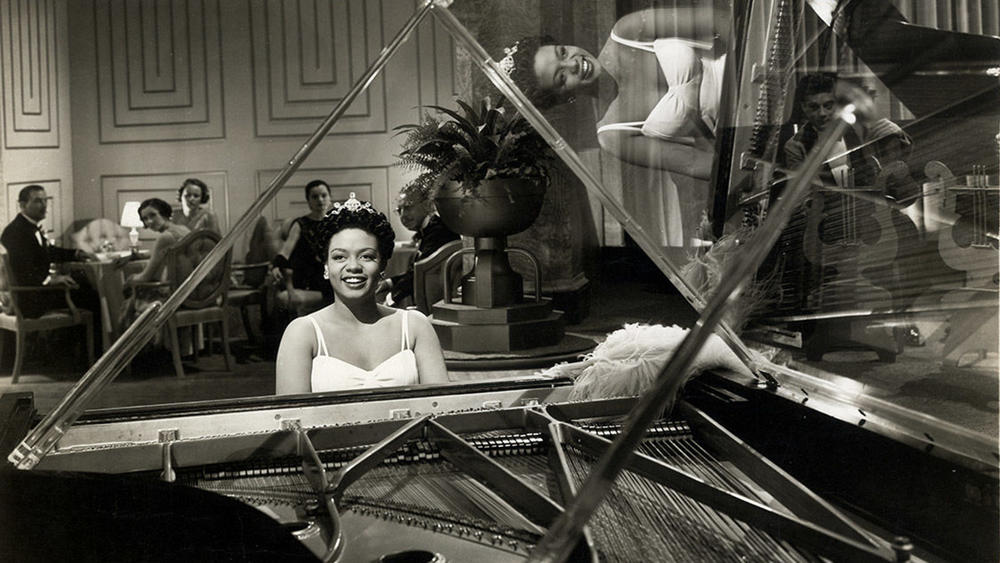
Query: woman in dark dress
x,y
298,267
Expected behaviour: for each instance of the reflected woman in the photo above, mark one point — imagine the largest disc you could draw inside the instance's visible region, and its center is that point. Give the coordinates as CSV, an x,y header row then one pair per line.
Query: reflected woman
x,y
656,86
356,343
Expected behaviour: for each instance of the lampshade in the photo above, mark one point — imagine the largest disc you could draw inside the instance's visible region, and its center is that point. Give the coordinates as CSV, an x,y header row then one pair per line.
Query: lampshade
x,y
130,215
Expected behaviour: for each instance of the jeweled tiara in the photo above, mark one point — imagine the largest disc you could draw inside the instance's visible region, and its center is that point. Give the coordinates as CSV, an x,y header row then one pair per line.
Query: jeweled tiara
x,y
352,205
507,62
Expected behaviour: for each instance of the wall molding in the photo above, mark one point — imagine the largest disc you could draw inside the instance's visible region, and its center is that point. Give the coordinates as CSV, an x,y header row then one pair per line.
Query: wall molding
x,y
30,78
304,62
163,79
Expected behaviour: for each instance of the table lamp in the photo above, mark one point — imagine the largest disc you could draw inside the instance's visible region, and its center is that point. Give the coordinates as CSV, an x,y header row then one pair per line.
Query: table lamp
x,y
130,218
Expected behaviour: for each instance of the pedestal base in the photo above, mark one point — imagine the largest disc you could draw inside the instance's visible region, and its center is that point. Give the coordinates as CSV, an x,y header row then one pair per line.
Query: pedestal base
x,y
464,328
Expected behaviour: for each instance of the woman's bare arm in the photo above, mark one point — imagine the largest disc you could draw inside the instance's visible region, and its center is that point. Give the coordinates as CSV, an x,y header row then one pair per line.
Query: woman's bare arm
x,y
279,274
293,368
651,152
155,265
700,23
427,349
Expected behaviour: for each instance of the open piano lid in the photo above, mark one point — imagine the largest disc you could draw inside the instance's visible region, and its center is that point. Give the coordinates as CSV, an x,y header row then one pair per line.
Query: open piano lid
x,y
66,416
932,71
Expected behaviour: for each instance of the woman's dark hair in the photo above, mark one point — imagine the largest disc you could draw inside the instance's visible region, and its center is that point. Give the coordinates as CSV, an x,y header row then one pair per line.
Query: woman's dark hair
x,y
193,182
158,204
362,216
315,183
523,71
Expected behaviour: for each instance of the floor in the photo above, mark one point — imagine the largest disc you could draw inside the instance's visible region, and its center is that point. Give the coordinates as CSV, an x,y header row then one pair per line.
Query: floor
x,y
629,291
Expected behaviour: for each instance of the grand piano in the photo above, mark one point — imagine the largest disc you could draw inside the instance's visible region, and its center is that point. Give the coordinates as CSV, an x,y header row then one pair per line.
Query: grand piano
x,y
798,462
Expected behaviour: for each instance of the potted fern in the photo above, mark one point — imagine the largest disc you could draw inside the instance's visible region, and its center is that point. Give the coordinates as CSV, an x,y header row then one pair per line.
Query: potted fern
x,y
483,166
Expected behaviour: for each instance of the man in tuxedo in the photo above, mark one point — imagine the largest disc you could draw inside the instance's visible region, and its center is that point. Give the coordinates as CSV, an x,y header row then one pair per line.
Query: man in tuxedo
x,y
30,255
417,213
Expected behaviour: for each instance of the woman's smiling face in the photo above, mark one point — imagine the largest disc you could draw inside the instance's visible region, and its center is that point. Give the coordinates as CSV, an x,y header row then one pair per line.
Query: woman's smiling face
x,y
353,263
564,69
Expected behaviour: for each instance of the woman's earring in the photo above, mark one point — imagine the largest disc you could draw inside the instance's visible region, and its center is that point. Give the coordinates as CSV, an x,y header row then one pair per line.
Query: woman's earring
x,y
326,272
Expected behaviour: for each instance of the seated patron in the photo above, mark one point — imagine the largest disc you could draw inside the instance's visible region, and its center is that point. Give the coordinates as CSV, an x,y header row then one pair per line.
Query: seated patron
x,y
356,343
417,213
30,255
193,195
298,266
156,216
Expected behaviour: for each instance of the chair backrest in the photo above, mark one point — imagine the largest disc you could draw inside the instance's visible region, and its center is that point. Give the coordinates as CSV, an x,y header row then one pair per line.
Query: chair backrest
x,y
6,281
184,256
90,234
427,288
261,249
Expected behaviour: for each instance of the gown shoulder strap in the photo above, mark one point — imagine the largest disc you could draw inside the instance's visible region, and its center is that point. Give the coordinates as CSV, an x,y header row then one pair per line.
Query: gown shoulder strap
x,y
405,330
642,45
319,336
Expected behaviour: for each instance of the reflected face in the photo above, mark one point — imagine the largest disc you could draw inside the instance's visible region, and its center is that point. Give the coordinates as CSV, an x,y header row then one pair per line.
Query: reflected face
x,y
819,108
564,69
36,207
192,196
319,199
353,263
152,220
412,214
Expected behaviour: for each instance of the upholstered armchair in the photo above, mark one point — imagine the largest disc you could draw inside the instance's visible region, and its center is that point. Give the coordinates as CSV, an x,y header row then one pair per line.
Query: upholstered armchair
x,y
90,234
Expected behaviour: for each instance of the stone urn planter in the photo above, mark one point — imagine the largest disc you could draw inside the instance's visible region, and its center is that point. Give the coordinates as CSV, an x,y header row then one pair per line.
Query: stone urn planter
x,y
495,209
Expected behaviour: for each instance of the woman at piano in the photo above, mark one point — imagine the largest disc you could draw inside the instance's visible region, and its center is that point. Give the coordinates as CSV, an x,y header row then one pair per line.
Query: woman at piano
x,y
355,342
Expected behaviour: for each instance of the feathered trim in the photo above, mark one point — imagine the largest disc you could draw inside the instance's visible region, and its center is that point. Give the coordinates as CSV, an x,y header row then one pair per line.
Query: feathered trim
x,y
627,362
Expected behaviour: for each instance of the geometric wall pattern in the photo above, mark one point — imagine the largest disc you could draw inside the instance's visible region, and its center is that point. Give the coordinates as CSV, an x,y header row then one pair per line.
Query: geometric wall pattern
x,y
306,56
29,82
162,81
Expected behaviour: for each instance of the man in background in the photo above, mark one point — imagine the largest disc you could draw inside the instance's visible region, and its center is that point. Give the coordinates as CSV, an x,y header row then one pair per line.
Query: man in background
x,y
30,255
417,213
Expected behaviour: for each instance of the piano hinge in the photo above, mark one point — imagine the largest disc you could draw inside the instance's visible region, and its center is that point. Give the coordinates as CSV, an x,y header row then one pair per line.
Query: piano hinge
x,y
166,438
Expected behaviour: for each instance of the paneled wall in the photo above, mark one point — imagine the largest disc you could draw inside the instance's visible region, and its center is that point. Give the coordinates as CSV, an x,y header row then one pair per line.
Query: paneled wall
x,y
228,90
35,114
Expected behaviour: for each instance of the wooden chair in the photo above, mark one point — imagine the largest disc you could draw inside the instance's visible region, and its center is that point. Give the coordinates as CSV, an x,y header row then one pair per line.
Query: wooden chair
x,y
427,288
251,286
207,303
11,318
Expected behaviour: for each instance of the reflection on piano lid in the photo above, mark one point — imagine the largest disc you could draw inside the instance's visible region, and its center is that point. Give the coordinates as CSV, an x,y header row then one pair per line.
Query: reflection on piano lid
x,y
933,72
